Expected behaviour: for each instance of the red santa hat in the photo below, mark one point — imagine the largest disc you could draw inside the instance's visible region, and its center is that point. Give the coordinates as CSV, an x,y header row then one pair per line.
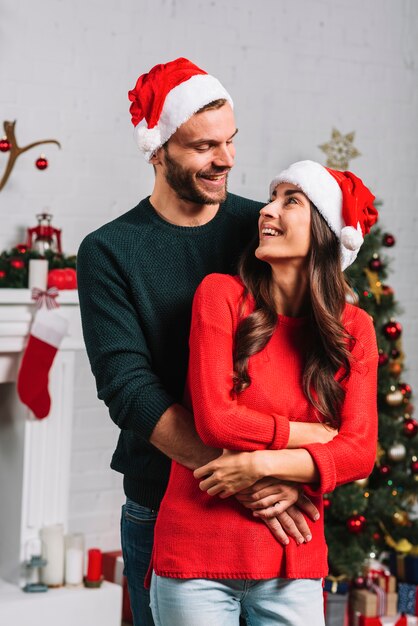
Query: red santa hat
x,y
342,199
166,98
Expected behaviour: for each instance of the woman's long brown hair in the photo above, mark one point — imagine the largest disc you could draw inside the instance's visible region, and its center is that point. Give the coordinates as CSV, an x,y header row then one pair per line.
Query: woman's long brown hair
x,y
328,354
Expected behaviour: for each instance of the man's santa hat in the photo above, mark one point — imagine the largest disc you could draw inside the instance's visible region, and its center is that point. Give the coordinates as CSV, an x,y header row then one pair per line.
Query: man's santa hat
x,y
342,199
166,98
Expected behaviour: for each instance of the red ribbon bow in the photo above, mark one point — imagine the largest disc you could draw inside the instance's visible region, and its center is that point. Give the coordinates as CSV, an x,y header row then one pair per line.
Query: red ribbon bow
x,y
45,298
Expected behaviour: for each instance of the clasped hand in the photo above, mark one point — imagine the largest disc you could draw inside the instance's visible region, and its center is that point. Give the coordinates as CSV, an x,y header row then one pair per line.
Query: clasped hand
x,y
278,503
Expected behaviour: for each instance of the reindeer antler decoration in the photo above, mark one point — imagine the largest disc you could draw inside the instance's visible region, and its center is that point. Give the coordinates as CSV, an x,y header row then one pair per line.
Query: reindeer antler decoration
x,y
16,151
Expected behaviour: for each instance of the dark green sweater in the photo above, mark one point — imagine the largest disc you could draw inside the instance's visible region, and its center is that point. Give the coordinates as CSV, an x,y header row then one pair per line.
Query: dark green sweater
x,y
136,277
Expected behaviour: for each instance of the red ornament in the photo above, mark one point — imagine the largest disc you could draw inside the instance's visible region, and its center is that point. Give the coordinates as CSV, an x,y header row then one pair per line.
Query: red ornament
x,y
5,145
22,248
387,290
383,358
326,502
17,264
41,163
388,240
409,408
410,427
392,330
63,278
385,469
406,389
375,264
2,274
359,582
414,466
356,524
377,536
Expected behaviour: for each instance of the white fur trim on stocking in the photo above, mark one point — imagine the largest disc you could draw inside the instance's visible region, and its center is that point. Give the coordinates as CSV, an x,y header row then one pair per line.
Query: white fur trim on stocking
x,y
49,326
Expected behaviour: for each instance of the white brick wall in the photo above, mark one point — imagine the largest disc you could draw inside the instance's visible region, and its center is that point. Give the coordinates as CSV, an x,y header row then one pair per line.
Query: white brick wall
x,y
295,69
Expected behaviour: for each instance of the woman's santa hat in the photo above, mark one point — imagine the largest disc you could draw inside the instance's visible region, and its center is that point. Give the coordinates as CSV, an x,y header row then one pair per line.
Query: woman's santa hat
x,y
166,98
342,199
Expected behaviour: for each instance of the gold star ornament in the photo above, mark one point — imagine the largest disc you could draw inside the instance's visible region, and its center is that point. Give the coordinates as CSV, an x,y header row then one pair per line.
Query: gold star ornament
x,y
340,150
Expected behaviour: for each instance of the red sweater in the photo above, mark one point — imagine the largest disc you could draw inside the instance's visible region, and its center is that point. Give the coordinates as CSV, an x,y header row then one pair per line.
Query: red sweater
x,y
199,536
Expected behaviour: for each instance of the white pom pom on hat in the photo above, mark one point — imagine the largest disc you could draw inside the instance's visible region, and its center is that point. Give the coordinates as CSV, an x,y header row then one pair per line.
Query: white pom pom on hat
x,y
342,199
166,97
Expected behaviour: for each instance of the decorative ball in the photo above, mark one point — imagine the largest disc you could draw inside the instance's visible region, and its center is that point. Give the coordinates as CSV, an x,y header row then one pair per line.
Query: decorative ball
x,y
414,465
375,264
377,537
405,389
388,240
2,274
409,408
356,524
63,278
383,358
395,369
392,330
17,264
5,145
401,518
326,502
410,427
362,482
397,452
385,469
395,353
22,248
41,163
387,291
394,397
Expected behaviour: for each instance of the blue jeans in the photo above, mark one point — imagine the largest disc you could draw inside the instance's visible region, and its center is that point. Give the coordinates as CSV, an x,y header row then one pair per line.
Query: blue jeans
x,y
200,602
137,535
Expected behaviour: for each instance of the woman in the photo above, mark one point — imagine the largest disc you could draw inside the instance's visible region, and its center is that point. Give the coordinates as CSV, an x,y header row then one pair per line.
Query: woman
x,y
276,356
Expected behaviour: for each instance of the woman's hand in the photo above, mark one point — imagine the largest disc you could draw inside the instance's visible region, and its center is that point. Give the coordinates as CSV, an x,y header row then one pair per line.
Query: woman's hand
x,y
229,473
280,505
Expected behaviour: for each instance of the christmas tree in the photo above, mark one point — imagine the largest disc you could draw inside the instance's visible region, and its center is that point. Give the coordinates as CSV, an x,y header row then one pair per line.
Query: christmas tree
x,y
369,516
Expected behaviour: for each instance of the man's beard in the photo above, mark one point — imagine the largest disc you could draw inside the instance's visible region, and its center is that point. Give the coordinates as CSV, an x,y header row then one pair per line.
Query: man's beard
x,y
182,181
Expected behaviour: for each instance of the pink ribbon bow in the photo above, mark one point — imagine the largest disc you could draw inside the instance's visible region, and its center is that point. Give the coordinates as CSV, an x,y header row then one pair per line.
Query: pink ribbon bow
x,y
45,298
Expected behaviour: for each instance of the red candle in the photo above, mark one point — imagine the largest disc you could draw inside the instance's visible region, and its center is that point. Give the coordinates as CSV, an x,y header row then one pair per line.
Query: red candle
x,y
94,564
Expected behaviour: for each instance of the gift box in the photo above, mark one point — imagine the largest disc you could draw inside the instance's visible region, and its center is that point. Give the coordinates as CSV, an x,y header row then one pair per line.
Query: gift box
x,y
386,582
336,585
408,598
372,604
397,565
113,572
396,620
336,609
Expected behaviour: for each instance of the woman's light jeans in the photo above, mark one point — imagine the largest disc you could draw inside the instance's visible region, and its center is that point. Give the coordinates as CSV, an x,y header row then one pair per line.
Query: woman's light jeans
x,y
210,602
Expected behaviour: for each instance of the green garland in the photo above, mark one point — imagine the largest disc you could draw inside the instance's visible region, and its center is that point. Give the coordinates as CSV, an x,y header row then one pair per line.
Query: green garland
x,y
14,265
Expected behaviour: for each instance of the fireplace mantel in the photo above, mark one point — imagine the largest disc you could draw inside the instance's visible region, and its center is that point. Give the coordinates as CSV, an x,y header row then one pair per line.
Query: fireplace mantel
x,y
35,463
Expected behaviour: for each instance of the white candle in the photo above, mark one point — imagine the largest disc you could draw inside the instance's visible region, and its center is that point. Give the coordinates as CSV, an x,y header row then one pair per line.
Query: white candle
x,y
38,273
52,538
73,566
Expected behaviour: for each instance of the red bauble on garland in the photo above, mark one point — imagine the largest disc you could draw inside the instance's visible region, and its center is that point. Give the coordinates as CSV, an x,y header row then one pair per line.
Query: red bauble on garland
x,y
22,248
388,240
5,145
41,163
414,465
375,263
392,330
356,524
410,427
406,389
65,278
326,502
2,274
385,469
383,358
17,264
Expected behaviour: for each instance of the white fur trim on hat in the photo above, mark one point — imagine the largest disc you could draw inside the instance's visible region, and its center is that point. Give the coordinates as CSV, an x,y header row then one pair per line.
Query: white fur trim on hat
x,y
325,193
180,104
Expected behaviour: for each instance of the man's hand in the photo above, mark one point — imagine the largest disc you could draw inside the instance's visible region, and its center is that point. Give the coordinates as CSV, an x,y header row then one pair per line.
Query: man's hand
x,y
280,506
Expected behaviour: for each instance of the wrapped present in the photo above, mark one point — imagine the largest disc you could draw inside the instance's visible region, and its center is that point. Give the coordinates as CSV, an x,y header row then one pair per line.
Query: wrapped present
x,y
374,602
386,582
397,620
408,598
113,572
336,609
337,584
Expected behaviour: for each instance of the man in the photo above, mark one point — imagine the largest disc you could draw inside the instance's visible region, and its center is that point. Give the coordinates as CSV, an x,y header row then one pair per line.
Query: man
x,y
137,277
